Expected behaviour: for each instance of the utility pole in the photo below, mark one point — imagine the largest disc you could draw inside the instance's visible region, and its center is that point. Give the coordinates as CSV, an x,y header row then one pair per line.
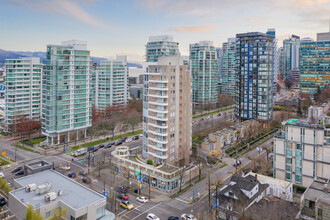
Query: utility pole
x,y
216,200
89,161
149,186
15,154
209,190
190,177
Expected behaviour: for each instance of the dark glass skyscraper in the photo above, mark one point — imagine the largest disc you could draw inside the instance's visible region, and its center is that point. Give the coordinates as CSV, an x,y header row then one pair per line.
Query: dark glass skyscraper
x,y
254,93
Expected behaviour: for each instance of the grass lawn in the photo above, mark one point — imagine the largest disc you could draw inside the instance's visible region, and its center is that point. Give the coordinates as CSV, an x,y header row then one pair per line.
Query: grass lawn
x,y
105,140
33,141
3,162
27,149
222,166
211,113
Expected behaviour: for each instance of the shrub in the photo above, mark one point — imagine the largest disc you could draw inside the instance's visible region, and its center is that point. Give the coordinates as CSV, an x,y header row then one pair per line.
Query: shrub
x,y
149,162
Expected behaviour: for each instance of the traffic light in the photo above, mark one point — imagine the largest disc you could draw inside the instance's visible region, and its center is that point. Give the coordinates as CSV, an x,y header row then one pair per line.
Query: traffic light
x,y
116,206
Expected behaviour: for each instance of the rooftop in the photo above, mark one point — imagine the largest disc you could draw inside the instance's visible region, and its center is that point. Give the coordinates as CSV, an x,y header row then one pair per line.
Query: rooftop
x,y
272,181
317,191
74,195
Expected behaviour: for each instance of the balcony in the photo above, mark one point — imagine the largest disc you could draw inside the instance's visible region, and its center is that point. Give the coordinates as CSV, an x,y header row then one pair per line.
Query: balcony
x,y
158,110
164,141
157,148
158,125
158,81
160,88
159,133
158,103
158,156
158,95
280,135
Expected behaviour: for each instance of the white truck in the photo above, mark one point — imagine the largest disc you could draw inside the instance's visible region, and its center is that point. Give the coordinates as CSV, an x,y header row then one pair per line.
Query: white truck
x,y
80,152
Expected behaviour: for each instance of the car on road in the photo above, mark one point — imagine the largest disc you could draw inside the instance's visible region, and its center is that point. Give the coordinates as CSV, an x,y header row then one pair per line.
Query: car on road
x,y
126,205
188,217
101,146
151,216
123,139
141,135
83,173
237,163
66,167
2,201
128,140
17,169
119,142
121,189
208,117
202,119
123,196
92,149
173,218
142,199
19,173
2,175
136,137
109,144
80,152
72,175
219,115
86,180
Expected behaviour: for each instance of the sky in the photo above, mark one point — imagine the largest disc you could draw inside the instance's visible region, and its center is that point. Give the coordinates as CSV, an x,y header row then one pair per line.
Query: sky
x,y
123,27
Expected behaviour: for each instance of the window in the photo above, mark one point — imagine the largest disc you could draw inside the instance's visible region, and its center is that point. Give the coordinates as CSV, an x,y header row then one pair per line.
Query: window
x,y
172,158
319,212
48,214
100,212
83,217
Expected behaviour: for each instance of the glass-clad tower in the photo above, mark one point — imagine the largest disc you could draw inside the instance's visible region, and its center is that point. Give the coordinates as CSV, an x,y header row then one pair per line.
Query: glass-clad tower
x,y
228,84
159,46
314,65
204,67
66,92
23,92
111,83
254,93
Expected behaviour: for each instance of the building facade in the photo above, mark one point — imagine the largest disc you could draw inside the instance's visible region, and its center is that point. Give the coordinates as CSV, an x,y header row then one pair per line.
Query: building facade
x,y
66,92
111,83
23,92
167,112
314,65
290,55
228,82
159,46
323,36
302,152
254,81
204,67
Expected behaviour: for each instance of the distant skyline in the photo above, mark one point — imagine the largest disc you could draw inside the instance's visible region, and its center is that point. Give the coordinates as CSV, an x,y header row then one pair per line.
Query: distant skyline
x,y
113,27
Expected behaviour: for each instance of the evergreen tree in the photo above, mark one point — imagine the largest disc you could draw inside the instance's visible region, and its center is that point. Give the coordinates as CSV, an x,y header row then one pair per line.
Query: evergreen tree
x,y
299,112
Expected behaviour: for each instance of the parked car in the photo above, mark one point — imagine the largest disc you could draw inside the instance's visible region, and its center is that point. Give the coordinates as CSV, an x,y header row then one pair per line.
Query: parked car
x,y
123,139
128,140
173,218
2,175
123,196
119,142
19,173
219,115
151,216
109,144
86,180
80,152
2,201
83,173
72,175
17,169
142,199
121,189
188,217
101,146
141,135
126,205
136,137
208,117
92,149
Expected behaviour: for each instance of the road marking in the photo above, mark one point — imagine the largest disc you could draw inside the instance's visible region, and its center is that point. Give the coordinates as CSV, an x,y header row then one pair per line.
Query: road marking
x,y
146,211
131,210
182,200
70,161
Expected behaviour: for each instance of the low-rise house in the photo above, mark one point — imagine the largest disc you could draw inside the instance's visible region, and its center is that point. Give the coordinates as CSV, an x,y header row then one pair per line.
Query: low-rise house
x,y
315,202
226,137
241,193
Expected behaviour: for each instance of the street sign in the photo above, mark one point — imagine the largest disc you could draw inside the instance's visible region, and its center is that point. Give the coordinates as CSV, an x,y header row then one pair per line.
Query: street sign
x,y
105,194
137,173
3,153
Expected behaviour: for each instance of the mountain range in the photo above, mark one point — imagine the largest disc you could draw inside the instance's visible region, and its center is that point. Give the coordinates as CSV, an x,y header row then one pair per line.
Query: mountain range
x,y
4,54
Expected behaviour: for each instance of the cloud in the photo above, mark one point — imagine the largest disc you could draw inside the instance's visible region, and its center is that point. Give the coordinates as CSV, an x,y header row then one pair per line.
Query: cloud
x,y
64,7
189,29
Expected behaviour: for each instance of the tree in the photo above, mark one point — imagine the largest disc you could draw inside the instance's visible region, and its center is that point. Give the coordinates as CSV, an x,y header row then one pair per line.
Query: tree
x,y
306,104
32,214
58,214
318,93
299,112
181,175
225,100
134,118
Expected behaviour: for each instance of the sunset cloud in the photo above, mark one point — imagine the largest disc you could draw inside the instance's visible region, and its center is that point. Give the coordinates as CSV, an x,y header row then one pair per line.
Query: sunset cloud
x,y
189,29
